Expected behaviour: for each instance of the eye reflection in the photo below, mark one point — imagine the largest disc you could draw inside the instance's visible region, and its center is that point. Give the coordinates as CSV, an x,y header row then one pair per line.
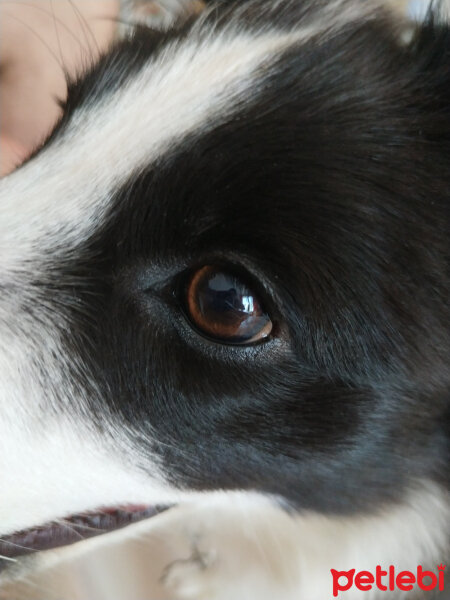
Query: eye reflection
x,y
224,308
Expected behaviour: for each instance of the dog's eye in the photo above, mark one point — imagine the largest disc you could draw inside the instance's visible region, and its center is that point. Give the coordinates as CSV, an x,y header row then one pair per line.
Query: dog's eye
x,y
225,309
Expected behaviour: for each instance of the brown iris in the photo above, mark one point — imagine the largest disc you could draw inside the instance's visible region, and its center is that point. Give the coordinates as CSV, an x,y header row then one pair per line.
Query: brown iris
x,y
223,307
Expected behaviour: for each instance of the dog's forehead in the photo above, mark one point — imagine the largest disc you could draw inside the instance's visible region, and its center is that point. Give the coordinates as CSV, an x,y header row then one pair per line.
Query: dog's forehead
x,y
193,81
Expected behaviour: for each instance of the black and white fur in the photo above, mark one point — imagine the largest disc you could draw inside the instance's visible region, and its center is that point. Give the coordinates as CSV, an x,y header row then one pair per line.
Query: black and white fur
x,y
307,144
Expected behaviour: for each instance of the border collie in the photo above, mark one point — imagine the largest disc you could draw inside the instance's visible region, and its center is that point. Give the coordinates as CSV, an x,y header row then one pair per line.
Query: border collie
x,y
224,282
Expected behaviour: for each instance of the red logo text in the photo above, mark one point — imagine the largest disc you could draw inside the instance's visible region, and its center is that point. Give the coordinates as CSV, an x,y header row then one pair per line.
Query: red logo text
x,y
388,580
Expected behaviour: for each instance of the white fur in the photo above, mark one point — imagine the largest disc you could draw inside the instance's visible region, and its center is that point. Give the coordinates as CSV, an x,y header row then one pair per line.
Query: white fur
x,y
225,546
257,552
192,85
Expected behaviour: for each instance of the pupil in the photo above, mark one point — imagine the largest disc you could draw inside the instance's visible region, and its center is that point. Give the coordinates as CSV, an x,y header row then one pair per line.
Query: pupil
x,y
224,308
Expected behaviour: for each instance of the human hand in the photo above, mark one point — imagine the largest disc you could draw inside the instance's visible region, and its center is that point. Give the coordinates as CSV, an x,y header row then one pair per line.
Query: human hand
x,y
40,41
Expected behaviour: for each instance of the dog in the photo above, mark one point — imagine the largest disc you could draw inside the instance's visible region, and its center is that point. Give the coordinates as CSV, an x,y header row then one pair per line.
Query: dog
x,y
225,286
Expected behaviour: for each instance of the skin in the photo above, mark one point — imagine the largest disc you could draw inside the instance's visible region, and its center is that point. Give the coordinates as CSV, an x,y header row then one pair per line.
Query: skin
x,y
39,41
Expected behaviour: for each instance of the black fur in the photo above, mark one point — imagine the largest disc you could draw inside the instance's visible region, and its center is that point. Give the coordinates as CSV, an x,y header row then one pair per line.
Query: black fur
x,y
330,188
